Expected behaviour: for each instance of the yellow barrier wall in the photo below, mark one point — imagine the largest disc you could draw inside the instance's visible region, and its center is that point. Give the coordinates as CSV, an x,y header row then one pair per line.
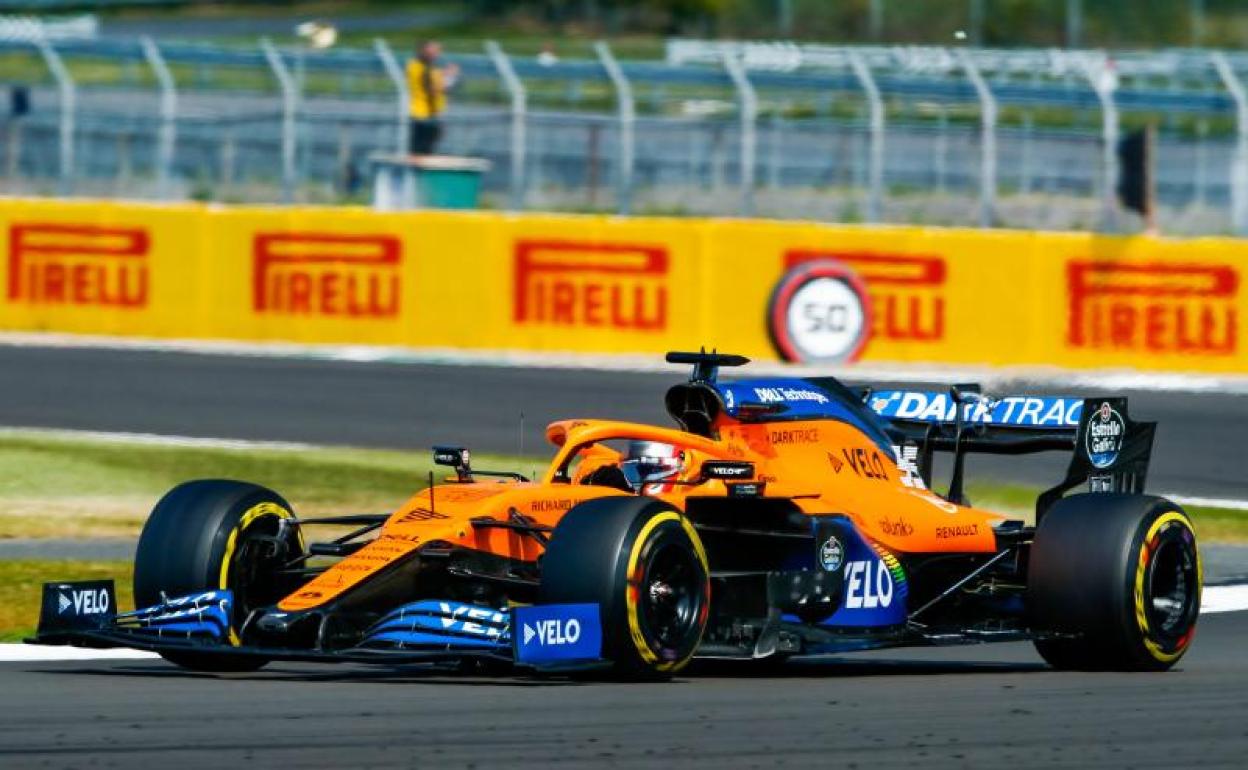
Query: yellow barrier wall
x,y
602,284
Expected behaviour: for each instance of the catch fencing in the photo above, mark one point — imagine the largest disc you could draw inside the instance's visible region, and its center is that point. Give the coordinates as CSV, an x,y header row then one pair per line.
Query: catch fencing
x,y
871,134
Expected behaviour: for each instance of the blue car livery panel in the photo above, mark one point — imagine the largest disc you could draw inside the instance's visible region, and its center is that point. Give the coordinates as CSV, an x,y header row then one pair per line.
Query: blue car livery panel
x,y
1012,411
873,587
557,633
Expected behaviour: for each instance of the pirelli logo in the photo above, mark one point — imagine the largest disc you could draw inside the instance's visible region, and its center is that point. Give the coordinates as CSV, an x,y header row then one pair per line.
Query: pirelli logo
x,y
67,264
1156,307
313,274
907,291
591,285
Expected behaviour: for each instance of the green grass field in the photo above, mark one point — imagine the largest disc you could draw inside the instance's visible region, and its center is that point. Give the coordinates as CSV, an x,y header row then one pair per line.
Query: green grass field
x,y
68,486
21,582
62,485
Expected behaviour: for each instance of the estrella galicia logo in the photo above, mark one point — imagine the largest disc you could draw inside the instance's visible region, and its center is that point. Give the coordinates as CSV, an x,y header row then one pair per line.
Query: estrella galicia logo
x,y
831,554
1103,436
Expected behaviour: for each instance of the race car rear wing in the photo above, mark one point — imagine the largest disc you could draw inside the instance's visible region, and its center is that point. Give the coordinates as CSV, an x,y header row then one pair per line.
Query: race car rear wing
x,y
1109,451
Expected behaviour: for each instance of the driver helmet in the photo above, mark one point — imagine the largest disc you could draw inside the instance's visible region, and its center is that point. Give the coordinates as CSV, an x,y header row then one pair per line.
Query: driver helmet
x,y
649,465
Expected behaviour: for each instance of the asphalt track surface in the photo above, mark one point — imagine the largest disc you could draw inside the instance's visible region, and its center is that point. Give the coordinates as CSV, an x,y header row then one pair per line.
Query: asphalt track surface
x,y
1198,450
983,706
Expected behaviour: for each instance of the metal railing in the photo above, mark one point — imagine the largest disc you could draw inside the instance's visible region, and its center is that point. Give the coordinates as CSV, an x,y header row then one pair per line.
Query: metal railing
x,y
968,136
29,28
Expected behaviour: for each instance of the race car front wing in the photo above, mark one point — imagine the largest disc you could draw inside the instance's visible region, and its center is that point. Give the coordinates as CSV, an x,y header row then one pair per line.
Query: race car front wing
x,y
545,636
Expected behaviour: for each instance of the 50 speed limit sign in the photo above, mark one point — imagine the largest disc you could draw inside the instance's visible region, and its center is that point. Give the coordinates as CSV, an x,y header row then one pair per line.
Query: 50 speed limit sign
x,y
819,313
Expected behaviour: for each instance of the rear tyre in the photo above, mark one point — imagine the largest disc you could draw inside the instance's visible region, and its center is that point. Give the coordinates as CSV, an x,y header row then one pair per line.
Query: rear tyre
x,y
643,564
1120,574
216,534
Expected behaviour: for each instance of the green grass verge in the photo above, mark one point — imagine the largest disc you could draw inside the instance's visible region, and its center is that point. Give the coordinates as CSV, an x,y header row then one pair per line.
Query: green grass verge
x,y
1213,525
21,583
1219,525
62,485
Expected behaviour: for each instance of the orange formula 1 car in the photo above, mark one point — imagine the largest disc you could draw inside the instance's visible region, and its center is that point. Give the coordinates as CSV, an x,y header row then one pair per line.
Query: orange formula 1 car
x,y
782,517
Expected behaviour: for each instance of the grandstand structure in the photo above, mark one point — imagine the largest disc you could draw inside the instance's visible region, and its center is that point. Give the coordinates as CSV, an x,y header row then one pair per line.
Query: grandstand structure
x,y
959,136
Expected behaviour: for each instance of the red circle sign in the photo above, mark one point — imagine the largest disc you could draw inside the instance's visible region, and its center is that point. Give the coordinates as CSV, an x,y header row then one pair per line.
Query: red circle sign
x,y
819,313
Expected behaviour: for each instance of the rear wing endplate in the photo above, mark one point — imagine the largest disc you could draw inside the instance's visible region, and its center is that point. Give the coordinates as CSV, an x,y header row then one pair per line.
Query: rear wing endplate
x,y
1110,451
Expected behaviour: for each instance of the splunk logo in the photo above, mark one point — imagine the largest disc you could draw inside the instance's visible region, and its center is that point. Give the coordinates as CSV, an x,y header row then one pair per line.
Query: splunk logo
x,y
591,285
1159,308
57,264
353,276
906,291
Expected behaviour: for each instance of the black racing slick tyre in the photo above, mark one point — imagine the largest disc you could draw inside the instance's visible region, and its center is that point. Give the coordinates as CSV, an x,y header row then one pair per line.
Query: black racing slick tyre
x,y
643,564
1116,578
216,534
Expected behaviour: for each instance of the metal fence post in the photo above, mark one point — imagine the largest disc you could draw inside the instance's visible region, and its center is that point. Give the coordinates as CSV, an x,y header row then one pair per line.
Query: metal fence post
x,y
67,95
987,142
399,80
1239,168
875,20
519,111
875,106
1024,157
1074,23
168,115
748,107
290,101
1102,82
977,22
628,120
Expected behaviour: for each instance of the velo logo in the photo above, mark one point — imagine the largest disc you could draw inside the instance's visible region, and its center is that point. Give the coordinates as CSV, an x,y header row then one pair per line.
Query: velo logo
x,y
84,602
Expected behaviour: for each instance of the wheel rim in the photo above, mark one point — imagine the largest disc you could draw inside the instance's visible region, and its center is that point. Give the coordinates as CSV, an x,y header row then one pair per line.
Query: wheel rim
x,y
671,596
1173,584
253,561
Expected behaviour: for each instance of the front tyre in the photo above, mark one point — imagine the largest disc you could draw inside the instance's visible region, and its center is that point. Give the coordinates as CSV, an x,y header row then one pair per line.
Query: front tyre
x,y
643,564
1118,577
215,534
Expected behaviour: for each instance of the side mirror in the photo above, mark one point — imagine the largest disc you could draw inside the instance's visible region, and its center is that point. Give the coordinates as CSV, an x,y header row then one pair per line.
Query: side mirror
x,y
454,457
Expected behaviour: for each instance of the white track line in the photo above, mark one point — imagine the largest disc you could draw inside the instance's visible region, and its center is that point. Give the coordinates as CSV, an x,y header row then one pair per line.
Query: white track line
x,y
1216,599
1045,376
1232,598
1208,502
151,439
44,652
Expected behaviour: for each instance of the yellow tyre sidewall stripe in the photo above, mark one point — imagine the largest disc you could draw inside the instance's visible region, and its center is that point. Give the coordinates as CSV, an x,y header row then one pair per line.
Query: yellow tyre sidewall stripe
x,y
1141,575
632,611
252,515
